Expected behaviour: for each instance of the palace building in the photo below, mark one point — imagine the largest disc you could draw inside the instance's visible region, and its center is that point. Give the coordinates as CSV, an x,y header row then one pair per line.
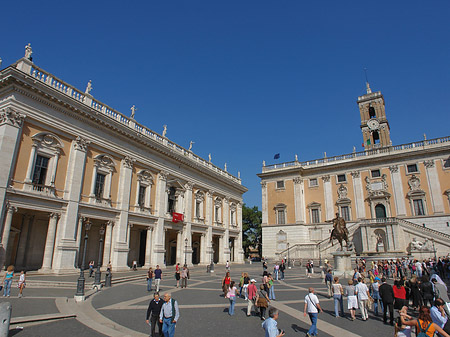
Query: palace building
x,y
394,198
75,170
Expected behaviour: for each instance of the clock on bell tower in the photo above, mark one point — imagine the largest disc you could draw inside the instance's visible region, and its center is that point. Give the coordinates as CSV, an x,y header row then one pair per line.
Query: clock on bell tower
x,y
374,124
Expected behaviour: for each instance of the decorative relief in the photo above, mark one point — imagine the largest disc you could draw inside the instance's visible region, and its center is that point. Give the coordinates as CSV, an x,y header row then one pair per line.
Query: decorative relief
x,y
414,183
429,163
218,202
163,175
393,168
11,117
298,180
128,162
199,196
81,144
263,184
233,207
11,209
356,174
189,186
342,192
104,161
326,178
377,188
54,215
145,177
110,223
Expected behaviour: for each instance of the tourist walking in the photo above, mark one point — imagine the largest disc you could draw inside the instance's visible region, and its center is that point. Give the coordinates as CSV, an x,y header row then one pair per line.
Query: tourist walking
x,y
271,286
337,292
178,274
276,268
399,295
362,292
270,324
245,286
226,283
169,315
387,297
7,280
241,284
158,277
352,301
415,293
21,282
91,268
328,281
312,308
262,301
282,269
231,295
184,276
251,296
376,296
227,266
149,279
426,289
424,324
152,318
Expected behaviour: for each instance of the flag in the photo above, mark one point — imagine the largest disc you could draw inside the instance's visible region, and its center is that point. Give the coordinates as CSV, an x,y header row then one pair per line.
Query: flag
x,y
277,156
368,141
177,217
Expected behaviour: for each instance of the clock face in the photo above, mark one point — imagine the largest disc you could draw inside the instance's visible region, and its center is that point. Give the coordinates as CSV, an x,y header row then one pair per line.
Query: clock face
x,y
373,124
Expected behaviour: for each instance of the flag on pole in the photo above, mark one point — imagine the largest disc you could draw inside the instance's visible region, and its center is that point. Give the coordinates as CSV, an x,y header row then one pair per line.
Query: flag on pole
x,y
177,217
277,156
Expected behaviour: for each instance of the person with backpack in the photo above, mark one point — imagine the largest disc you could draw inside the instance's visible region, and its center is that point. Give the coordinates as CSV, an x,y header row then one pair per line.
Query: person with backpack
x,y
424,324
169,315
328,281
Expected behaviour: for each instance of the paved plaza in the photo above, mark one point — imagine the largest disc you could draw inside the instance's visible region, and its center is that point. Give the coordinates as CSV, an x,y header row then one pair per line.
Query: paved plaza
x,y
49,310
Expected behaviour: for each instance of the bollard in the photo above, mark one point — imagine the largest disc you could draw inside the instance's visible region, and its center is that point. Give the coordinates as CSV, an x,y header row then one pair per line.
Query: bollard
x,y
108,279
5,317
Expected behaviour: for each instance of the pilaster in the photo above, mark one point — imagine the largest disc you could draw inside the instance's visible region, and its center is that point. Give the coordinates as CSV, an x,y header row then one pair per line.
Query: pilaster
x,y
434,186
50,242
359,195
328,196
299,200
265,214
397,186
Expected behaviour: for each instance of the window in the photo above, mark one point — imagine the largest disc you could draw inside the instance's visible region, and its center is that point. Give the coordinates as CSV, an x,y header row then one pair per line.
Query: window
x,y
281,217
376,137
313,182
280,184
197,209
141,198
171,200
99,185
40,170
345,213
447,163
341,178
216,215
372,112
315,218
418,207
199,198
412,168
376,173
232,217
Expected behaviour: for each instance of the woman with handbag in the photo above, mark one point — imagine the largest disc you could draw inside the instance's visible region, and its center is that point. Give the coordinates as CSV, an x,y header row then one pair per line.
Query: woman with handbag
x,y
262,301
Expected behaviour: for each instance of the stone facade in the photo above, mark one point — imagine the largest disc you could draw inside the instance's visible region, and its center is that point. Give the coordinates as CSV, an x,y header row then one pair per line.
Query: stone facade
x,y
71,163
405,188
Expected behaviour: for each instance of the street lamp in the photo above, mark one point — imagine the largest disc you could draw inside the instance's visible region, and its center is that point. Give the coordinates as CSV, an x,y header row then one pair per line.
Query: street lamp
x,y
288,255
81,279
185,251
98,273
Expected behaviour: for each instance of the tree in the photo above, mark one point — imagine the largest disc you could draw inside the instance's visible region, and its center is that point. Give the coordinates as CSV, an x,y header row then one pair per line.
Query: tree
x,y
251,228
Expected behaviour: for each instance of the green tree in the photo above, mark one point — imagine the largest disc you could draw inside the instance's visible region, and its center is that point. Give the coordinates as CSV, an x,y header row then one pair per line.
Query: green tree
x,y
251,228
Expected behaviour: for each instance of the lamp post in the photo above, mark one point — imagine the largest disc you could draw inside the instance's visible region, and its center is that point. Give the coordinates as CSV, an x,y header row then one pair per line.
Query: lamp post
x,y
185,251
81,280
288,255
98,273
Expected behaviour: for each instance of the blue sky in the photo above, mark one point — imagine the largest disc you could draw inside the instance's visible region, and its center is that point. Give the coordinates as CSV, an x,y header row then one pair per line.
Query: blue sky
x,y
247,79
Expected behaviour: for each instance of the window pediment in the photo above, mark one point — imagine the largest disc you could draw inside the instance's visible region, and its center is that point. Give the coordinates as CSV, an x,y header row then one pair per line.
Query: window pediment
x,y
104,161
314,204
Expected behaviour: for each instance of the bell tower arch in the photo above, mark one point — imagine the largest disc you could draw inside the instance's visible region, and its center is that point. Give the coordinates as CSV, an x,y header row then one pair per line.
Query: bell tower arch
x,y
374,124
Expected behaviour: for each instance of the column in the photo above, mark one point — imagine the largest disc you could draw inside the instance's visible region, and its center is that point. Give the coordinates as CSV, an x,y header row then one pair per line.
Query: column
x,y
6,230
55,166
148,248
399,197
10,130
50,242
299,200
203,258
21,257
265,214
359,195
120,235
160,202
222,257
179,248
226,243
28,177
328,196
67,242
108,242
238,247
434,186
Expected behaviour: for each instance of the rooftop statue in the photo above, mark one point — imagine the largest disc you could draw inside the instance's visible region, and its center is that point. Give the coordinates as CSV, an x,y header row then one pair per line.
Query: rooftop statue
x,y
28,52
88,87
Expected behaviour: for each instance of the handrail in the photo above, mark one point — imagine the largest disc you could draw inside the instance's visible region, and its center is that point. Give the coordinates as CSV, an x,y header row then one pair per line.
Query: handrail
x,y
366,153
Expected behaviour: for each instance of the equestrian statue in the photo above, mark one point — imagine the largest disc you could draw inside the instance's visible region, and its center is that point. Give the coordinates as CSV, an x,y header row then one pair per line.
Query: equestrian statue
x,y
339,232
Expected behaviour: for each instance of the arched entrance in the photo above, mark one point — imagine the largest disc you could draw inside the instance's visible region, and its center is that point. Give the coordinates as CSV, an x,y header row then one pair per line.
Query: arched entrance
x,y
380,211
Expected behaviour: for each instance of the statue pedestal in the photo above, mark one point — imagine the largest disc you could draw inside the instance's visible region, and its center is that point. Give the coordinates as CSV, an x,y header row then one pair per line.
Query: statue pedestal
x,y
342,264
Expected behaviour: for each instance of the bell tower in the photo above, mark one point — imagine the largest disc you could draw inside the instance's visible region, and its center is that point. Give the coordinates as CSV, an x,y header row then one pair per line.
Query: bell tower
x,y
374,124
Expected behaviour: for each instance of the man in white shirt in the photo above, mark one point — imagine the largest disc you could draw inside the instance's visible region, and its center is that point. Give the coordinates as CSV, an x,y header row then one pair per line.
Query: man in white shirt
x,y
312,308
362,292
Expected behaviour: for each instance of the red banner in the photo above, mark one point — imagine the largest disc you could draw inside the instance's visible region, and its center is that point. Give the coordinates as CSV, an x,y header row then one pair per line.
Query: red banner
x,y
177,217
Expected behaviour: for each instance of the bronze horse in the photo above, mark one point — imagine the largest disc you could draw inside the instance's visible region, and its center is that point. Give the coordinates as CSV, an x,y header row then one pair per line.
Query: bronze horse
x,y
340,233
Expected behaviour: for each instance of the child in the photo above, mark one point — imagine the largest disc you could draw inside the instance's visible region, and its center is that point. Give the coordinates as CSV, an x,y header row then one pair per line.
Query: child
x,y
400,329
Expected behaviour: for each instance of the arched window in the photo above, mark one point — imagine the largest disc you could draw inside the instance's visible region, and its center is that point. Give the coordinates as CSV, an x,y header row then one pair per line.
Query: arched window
x,y
372,112
380,211
376,137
